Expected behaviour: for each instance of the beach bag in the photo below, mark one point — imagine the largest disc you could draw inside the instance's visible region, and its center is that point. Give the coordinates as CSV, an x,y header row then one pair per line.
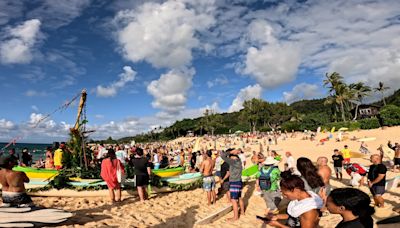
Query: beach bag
x,y
265,179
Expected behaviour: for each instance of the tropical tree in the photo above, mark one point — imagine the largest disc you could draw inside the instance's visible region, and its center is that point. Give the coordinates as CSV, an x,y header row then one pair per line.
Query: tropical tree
x,y
255,111
211,121
332,81
382,88
359,91
340,97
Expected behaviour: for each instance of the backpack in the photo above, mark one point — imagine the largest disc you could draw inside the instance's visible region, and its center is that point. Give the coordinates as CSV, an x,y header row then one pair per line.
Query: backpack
x,y
265,179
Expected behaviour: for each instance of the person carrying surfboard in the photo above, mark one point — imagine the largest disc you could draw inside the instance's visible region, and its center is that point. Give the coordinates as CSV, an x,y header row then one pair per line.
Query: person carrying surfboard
x,y
13,192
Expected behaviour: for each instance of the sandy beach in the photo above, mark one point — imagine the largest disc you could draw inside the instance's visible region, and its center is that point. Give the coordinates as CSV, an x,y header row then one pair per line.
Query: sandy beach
x,y
183,209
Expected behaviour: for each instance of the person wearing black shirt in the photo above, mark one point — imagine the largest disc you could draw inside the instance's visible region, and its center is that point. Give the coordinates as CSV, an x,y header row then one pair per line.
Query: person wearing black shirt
x,y
377,179
225,181
354,207
338,163
26,158
142,173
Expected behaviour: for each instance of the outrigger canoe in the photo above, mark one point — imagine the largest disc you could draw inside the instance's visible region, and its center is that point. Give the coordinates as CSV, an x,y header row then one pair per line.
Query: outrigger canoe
x,y
37,173
184,178
169,172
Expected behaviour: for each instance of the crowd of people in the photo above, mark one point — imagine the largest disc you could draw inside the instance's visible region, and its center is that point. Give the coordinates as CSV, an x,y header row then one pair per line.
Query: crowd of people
x,y
305,185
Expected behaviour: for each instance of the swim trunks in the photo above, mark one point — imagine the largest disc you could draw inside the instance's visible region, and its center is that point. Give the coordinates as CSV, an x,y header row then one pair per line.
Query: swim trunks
x,y
209,183
235,189
16,199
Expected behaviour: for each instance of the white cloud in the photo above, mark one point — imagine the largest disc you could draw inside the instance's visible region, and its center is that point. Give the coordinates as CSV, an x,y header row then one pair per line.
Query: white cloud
x,y
303,91
10,9
270,62
109,91
163,34
6,124
58,13
34,93
245,94
35,108
221,80
170,90
18,43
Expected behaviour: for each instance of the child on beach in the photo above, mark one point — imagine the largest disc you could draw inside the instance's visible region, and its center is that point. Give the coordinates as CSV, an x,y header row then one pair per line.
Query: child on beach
x,y
235,181
337,164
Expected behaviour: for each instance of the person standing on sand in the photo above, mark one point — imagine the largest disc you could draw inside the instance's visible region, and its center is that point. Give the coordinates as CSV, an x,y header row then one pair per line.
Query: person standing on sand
x,y
325,172
58,156
225,181
346,154
109,167
268,183
338,164
206,168
377,179
235,181
396,166
49,162
142,173
13,188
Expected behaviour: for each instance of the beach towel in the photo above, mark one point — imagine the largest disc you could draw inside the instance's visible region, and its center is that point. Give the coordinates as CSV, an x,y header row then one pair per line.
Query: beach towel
x,y
109,172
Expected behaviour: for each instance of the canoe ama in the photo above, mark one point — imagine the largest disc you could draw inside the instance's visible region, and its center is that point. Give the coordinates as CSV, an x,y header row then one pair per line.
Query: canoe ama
x,y
168,172
37,173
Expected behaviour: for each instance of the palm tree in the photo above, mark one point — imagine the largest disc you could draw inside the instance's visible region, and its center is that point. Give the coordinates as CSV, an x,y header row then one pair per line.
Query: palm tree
x,y
333,80
340,97
381,88
359,91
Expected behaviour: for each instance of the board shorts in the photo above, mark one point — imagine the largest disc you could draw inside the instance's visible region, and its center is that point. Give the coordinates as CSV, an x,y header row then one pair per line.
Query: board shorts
x,y
377,190
338,169
346,160
208,183
16,199
142,180
235,189
396,161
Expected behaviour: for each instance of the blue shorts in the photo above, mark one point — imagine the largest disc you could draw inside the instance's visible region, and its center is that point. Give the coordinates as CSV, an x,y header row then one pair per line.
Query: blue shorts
x,y
377,190
208,183
235,189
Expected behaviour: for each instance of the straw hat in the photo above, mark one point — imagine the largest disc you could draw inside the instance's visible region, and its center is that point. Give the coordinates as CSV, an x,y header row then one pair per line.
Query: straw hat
x,y
270,161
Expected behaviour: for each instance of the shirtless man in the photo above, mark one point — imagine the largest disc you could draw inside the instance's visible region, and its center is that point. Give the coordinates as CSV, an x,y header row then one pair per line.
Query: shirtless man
x,y
12,182
396,167
206,168
325,172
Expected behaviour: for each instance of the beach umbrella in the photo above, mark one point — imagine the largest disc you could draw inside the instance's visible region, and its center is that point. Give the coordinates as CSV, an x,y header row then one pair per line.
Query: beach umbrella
x,y
238,132
343,129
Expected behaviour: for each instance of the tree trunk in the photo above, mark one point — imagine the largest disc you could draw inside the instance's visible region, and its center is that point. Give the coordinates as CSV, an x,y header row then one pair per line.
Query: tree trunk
x,y
342,110
356,113
383,98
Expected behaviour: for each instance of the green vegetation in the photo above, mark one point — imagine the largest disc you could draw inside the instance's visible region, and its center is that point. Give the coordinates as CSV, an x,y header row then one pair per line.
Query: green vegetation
x,y
338,109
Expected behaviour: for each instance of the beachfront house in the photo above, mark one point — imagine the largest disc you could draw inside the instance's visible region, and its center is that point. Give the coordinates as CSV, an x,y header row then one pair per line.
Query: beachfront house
x,y
367,111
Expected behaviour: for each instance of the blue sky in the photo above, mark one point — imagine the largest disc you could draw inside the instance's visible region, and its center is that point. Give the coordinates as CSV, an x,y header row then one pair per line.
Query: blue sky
x,y
150,63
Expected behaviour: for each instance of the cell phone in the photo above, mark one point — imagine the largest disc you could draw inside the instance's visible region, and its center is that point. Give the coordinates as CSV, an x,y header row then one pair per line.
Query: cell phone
x,y
263,218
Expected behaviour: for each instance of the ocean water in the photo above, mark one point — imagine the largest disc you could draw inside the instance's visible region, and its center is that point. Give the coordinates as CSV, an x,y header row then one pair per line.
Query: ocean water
x,y
36,150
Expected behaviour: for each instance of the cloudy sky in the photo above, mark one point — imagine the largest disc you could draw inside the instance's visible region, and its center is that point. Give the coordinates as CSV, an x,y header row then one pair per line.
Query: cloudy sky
x,y
148,63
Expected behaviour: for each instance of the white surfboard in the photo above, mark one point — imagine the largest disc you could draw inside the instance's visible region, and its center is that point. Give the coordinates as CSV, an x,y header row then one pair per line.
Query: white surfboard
x,y
14,224
14,209
41,216
218,214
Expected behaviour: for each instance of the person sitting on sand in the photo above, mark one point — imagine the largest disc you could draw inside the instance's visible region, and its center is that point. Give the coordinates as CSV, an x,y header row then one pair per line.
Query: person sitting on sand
x,y
377,179
206,168
13,188
304,206
49,162
235,181
142,173
354,207
357,173
109,168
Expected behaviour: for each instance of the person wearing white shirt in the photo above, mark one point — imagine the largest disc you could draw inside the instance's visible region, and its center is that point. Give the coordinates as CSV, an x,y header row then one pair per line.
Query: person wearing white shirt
x,y
102,152
121,155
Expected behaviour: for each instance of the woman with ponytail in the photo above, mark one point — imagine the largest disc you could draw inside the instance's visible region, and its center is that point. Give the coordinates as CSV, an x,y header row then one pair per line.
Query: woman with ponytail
x,y
354,207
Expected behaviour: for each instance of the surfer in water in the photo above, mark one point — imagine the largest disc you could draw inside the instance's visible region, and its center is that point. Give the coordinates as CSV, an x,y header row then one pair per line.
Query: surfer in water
x,y
13,194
